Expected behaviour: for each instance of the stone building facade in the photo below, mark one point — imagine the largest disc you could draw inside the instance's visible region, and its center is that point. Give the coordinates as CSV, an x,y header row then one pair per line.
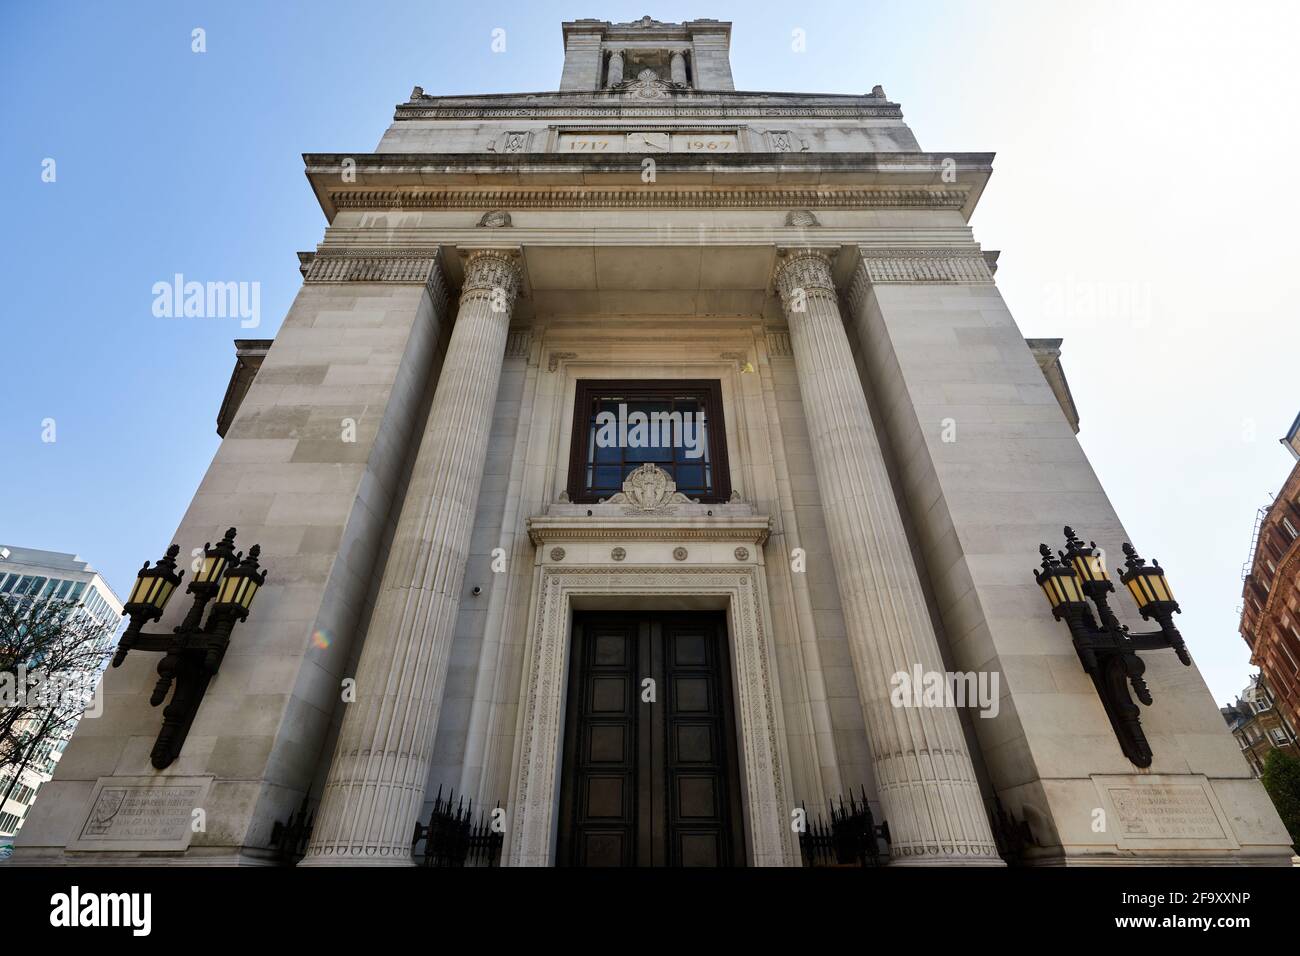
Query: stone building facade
x,y
1258,725
647,655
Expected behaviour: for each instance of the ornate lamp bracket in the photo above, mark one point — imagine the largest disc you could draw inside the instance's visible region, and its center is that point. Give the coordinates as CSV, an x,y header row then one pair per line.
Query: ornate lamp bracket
x,y
193,652
1107,649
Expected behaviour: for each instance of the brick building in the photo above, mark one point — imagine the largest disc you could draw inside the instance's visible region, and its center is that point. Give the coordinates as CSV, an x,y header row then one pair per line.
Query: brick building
x,y
1270,616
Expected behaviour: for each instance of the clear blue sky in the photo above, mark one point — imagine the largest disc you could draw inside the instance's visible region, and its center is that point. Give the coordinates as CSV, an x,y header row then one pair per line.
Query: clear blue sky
x,y
1142,198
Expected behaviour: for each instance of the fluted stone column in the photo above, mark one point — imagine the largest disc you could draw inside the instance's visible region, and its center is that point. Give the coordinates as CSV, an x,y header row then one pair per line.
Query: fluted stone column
x,y
615,74
924,775
376,783
677,66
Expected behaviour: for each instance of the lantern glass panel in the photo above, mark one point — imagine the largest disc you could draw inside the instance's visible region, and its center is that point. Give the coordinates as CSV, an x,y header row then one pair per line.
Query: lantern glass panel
x,y
211,569
140,590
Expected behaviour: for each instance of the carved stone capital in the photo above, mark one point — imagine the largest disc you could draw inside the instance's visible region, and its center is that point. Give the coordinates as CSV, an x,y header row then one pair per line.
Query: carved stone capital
x,y
804,272
493,274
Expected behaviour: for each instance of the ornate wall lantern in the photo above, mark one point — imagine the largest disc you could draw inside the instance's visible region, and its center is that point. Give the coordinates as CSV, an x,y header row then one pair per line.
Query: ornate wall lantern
x,y
193,652
1107,650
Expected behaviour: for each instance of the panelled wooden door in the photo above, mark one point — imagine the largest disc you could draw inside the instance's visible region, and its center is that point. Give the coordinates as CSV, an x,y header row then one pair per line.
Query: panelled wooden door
x,y
650,782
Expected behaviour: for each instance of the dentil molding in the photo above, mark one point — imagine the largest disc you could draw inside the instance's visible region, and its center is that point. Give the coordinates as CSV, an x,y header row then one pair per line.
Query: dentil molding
x,y
642,197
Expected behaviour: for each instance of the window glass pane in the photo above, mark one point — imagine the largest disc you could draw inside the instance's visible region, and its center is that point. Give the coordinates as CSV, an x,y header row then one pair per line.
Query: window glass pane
x,y
608,479
9,583
633,423
76,590
63,589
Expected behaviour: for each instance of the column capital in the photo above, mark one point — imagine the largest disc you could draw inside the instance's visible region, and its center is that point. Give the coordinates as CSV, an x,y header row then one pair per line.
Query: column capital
x,y
492,273
802,271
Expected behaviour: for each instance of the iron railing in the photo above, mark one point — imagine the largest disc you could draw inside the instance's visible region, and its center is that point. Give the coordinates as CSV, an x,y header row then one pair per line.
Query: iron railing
x,y
851,838
453,837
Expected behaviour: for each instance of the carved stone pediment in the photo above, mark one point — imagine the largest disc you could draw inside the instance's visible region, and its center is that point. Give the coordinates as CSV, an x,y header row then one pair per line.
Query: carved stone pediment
x,y
649,490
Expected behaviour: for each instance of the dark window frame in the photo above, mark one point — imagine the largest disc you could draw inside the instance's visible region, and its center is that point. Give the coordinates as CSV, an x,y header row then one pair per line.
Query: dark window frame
x,y
710,393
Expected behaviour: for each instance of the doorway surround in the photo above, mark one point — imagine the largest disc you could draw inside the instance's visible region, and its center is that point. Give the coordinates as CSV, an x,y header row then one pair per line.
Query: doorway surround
x,y
613,555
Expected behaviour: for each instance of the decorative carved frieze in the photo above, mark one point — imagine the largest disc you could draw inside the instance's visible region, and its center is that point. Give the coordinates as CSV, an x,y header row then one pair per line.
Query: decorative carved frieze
x,y
801,217
926,265
632,197
495,219
369,265
703,108
915,266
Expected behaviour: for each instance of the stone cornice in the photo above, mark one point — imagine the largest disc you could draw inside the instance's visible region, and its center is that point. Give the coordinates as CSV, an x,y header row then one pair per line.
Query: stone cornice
x,y
688,103
621,106
591,181
751,529
926,168
633,197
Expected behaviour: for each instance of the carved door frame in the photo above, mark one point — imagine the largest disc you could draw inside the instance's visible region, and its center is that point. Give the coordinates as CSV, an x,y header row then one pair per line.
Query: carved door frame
x,y
741,591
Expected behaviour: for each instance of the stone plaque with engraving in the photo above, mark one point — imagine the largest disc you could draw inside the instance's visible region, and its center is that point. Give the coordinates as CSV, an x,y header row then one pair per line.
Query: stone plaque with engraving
x,y
592,142
647,142
142,813
704,143
1154,811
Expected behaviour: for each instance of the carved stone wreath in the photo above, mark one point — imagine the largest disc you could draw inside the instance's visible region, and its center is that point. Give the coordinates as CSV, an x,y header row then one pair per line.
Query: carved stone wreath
x,y
649,490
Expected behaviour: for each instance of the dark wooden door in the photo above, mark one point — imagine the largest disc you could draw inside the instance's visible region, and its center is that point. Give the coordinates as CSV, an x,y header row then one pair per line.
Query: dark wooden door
x,y
650,782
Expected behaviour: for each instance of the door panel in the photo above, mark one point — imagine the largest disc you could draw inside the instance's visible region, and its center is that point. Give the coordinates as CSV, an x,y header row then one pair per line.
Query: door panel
x,y
600,748
650,783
